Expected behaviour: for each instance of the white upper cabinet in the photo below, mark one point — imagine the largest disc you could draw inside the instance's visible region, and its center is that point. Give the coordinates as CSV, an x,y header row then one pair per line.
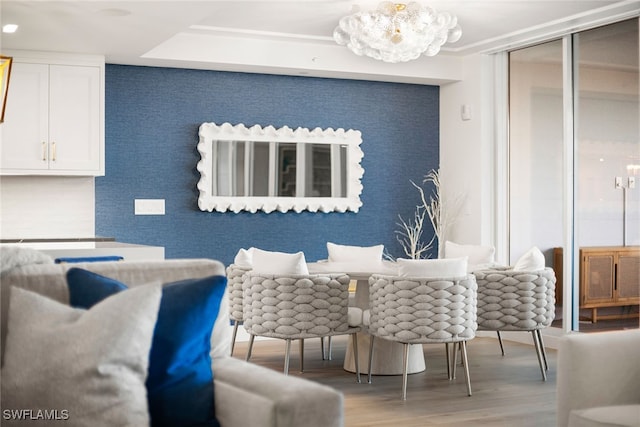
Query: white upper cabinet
x,y
54,118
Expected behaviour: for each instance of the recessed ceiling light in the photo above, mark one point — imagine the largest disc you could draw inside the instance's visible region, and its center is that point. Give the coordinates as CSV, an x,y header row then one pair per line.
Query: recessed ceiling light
x,y
9,28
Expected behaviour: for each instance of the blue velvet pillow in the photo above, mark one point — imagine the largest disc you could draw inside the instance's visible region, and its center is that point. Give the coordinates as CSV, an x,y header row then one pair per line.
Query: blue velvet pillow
x,y
180,380
86,289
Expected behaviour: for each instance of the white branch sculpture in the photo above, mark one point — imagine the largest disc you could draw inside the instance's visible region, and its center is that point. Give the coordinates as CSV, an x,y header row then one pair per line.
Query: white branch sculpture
x,y
410,234
442,216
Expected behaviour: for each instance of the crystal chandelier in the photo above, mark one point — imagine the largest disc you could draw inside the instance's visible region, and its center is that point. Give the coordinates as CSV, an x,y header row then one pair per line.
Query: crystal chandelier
x,y
397,32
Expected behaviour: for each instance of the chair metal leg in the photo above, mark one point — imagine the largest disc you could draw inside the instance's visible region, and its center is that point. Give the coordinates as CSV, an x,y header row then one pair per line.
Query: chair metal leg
x,y
301,355
405,368
454,362
536,343
544,352
251,338
465,362
500,341
233,337
370,356
448,356
355,355
287,353
326,355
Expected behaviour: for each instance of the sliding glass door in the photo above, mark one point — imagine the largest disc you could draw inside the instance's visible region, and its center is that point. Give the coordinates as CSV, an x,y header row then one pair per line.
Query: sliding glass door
x,y
607,135
574,149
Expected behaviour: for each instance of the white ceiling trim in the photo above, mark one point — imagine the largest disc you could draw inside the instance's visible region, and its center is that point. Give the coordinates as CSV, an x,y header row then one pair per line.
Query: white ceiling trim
x,y
556,29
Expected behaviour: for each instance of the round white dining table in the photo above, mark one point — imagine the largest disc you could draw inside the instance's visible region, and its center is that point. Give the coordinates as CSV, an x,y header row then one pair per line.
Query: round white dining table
x,y
387,355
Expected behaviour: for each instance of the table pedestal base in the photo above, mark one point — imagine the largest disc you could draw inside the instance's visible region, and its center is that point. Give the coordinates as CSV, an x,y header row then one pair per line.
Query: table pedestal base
x,y
387,357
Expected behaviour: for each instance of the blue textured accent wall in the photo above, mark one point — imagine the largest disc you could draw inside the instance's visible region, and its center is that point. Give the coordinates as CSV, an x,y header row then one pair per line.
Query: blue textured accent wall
x,y
152,120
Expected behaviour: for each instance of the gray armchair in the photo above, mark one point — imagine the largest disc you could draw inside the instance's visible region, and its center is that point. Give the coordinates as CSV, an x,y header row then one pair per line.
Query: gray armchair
x,y
296,307
234,294
423,311
513,300
599,379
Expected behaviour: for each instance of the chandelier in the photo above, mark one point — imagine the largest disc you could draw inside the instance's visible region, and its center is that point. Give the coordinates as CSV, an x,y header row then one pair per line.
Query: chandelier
x,y
397,32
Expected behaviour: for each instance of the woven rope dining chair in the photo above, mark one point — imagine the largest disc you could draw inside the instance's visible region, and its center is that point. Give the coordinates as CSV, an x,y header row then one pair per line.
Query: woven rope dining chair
x,y
235,274
517,300
297,307
423,311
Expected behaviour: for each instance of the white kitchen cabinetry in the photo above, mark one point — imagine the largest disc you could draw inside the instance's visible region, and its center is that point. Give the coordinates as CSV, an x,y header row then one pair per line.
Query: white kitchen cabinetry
x,y
54,119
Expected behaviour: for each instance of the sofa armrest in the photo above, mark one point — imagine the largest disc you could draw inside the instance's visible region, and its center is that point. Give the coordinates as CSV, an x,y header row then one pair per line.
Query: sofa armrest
x,y
251,395
597,369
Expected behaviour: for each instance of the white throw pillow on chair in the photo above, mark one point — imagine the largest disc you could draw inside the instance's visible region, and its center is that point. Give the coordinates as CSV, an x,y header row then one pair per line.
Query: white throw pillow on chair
x,y
532,260
357,257
344,253
244,258
267,262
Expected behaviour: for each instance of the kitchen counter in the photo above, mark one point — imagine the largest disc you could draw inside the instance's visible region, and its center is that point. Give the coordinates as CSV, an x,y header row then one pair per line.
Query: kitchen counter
x,y
90,247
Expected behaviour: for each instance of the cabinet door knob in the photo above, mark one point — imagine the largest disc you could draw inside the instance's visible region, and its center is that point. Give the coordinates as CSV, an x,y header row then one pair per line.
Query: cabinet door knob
x,y
53,151
44,151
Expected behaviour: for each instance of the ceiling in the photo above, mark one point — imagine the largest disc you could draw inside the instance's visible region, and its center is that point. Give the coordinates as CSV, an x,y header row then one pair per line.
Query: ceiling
x,y
279,37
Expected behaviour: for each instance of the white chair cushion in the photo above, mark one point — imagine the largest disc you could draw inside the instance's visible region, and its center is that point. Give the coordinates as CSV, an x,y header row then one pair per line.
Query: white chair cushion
x,y
532,260
267,262
432,268
478,256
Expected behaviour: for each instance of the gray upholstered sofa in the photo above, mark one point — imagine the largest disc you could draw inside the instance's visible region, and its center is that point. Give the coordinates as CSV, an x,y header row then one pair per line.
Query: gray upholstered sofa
x,y
599,379
245,394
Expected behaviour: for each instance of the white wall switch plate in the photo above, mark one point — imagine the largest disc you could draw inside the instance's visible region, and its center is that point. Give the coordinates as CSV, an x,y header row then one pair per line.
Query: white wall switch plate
x,y
466,112
148,206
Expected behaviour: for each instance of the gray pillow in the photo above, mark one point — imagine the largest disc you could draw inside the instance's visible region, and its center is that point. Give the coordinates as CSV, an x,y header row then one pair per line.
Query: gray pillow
x,y
79,367
16,256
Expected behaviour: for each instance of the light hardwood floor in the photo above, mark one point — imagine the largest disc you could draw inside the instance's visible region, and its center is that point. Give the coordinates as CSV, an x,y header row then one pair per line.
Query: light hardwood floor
x,y
507,391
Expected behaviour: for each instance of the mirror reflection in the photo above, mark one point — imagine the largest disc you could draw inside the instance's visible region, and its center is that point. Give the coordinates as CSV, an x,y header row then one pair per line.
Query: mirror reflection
x,y
242,168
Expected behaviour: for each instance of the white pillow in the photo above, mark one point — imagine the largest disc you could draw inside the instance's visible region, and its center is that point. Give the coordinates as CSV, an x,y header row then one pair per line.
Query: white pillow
x,y
89,365
344,253
477,254
267,262
532,260
432,268
244,258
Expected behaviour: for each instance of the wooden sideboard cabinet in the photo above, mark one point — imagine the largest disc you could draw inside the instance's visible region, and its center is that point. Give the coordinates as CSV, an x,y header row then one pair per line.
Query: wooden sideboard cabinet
x,y
609,277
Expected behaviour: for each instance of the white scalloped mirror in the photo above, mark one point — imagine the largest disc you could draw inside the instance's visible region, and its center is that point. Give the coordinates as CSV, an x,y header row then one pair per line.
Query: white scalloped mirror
x,y
282,169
